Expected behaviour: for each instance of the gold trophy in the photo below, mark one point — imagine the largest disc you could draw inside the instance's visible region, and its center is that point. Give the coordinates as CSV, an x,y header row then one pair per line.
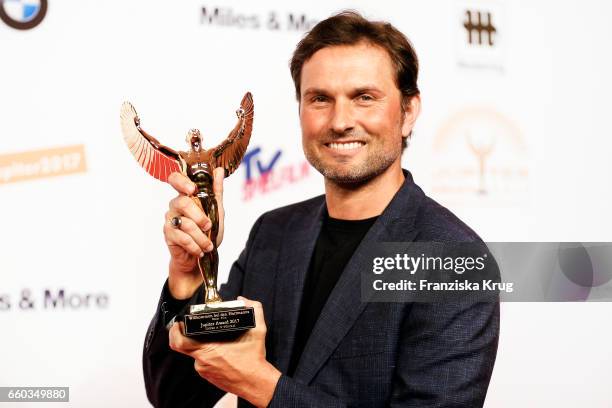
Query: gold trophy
x,y
214,316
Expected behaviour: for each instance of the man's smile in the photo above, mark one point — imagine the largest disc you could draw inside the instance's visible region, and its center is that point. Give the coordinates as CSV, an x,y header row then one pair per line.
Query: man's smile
x,y
345,145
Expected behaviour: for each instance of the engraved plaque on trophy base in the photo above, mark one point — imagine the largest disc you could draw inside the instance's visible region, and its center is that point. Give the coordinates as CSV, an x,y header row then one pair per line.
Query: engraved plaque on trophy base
x,y
219,321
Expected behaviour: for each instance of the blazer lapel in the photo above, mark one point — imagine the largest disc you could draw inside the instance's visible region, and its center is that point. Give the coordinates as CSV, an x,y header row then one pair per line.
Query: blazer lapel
x,y
300,238
344,304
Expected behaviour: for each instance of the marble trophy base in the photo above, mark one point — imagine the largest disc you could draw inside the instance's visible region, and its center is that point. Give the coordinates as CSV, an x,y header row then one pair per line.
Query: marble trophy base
x,y
219,321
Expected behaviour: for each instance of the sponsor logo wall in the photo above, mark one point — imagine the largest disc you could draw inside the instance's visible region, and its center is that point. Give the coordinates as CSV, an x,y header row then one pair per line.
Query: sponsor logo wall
x,y
23,14
512,138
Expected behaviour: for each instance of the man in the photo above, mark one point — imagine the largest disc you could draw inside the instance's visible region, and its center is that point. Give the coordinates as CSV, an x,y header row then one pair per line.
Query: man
x,y
316,343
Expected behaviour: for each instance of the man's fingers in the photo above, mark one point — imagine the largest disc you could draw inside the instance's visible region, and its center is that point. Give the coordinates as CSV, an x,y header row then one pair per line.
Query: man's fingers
x,y
189,237
181,239
178,342
181,183
194,231
250,303
183,344
186,206
260,321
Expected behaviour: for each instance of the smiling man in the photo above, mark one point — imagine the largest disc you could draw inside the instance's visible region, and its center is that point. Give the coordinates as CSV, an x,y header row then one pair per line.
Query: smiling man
x,y
316,342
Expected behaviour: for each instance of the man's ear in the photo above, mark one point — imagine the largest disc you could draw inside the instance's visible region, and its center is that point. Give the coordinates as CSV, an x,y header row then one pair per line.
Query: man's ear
x,y
411,112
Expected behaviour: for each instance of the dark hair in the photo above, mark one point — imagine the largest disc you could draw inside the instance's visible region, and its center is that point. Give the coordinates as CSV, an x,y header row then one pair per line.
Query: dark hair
x,y
350,28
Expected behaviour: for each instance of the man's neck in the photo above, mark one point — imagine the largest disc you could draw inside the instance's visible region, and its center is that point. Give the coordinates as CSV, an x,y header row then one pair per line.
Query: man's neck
x,y
364,201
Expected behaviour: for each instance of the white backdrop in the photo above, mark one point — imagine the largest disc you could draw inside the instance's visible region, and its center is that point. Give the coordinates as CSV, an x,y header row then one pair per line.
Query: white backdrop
x,y
531,105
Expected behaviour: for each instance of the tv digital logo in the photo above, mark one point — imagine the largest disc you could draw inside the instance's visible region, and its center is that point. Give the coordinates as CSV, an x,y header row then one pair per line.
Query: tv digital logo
x,y
264,175
23,14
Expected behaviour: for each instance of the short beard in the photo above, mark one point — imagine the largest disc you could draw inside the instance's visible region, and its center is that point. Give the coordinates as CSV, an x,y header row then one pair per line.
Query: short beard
x,y
377,163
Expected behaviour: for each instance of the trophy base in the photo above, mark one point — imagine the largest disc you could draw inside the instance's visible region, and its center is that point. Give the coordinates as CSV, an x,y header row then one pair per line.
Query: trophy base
x,y
219,321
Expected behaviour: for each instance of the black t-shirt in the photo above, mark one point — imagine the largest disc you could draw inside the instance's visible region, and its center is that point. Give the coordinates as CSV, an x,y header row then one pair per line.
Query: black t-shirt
x,y
334,248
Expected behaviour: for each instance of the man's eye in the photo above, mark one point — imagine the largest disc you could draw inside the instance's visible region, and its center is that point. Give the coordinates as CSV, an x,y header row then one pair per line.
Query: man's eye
x,y
365,98
319,98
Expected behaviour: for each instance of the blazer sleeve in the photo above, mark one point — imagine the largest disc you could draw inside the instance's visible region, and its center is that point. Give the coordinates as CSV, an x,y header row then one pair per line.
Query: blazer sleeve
x,y
170,378
290,393
447,349
446,355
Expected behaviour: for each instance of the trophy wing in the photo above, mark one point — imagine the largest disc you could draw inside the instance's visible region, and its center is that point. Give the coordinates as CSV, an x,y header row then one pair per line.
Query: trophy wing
x,y
230,152
158,160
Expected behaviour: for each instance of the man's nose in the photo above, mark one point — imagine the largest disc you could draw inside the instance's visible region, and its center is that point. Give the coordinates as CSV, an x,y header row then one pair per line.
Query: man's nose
x,y
342,119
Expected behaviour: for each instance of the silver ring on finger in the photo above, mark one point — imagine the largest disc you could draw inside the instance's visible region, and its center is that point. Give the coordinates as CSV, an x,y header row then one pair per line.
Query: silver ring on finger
x,y
176,222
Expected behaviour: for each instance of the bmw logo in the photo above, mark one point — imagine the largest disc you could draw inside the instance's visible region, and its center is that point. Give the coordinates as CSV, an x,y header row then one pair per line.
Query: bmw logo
x,y
23,14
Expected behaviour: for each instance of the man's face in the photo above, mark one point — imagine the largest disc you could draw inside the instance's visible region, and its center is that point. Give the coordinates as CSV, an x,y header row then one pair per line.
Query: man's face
x,y
351,114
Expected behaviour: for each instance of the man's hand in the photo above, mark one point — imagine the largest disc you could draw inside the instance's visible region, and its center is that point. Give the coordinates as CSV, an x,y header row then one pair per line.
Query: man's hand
x,y
239,366
188,243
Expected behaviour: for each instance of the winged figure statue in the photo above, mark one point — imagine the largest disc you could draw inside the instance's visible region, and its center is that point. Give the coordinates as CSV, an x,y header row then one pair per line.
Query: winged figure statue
x,y
198,164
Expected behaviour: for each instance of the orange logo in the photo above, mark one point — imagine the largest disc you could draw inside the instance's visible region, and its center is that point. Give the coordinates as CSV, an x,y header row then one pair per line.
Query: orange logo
x,y
480,154
37,164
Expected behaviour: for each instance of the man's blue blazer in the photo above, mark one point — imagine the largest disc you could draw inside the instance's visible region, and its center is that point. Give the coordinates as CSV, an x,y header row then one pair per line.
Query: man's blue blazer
x,y
359,354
